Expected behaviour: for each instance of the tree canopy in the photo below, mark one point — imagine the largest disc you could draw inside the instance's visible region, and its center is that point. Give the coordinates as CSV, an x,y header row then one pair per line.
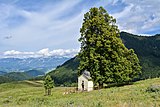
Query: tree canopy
x,y
48,84
102,52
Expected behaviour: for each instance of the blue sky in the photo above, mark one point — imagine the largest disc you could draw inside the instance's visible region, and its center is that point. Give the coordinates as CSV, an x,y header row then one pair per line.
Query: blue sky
x,y
51,27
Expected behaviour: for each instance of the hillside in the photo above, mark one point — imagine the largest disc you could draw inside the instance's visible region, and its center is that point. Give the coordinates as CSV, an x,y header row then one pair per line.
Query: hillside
x,y
147,49
4,79
18,76
31,94
66,74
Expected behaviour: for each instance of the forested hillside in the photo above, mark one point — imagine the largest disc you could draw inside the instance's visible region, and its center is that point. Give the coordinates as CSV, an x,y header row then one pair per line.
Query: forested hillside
x,y
66,74
147,49
18,76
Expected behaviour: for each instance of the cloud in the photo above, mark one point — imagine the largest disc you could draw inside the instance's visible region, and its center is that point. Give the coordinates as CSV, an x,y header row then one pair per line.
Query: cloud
x,y
56,24
49,26
139,16
41,53
12,52
62,52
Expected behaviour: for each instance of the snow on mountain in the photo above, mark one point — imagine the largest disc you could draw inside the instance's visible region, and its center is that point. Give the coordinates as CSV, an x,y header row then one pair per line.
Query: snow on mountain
x,y
24,64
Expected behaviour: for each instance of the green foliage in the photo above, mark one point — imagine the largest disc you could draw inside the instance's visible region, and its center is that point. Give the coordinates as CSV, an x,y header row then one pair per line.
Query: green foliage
x,y
102,52
48,84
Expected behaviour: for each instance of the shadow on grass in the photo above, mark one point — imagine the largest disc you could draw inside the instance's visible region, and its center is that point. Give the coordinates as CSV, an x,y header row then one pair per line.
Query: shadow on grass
x,y
114,85
118,84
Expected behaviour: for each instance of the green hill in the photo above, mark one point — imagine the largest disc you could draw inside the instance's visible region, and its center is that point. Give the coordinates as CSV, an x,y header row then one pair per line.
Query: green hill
x,y
148,50
66,74
31,94
4,79
146,47
18,76
34,73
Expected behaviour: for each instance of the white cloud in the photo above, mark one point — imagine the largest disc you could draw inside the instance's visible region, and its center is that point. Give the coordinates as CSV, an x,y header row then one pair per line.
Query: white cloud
x,y
41,53
57,24
46,27
44,52
139,16
62,52
12,52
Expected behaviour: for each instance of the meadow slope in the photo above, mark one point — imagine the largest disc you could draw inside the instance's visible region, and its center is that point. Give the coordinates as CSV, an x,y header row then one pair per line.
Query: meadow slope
x,y
31,94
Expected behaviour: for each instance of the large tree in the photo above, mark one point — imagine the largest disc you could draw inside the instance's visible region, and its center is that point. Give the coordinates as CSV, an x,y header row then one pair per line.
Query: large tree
x,y
102,52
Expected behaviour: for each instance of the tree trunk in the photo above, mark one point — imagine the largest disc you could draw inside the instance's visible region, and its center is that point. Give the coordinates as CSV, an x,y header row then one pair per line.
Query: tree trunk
x,y
100,85
48,91
45,91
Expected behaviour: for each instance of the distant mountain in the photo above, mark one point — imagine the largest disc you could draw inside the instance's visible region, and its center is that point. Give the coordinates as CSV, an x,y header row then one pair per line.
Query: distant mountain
x,y
34,73
43,63
2,72
147,49
18,76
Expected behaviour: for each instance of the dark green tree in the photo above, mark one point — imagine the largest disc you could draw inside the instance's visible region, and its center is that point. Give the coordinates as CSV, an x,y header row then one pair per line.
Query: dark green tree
x,y
102,52
48,84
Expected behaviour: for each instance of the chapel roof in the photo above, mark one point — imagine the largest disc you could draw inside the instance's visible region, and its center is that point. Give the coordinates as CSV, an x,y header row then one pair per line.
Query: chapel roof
x,y
87,75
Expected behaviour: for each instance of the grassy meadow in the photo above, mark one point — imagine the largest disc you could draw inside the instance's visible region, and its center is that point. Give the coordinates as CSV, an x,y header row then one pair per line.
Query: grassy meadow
x,y
31,94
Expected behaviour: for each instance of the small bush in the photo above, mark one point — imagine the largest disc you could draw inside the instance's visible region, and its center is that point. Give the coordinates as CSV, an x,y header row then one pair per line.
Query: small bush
x,y
6,101
153,88
99,104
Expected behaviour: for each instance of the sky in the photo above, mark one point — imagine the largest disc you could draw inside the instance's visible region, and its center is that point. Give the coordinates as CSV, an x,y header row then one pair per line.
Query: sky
x,y
30,28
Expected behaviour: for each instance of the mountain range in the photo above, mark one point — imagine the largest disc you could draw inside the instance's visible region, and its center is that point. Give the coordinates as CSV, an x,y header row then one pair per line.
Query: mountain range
x,y
24,64
17,69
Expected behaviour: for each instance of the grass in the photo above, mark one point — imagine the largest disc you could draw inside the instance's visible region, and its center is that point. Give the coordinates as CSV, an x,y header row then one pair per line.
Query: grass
x,y
31,94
